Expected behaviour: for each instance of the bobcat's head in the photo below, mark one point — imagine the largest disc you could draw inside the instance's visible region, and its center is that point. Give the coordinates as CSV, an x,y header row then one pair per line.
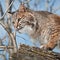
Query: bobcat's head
x,y
24,21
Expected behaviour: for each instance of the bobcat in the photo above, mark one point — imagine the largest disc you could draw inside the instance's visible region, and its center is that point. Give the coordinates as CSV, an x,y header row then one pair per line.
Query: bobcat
x,y
42,26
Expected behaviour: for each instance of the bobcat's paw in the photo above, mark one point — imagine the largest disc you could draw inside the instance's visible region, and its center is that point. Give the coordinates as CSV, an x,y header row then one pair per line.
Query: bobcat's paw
x,y
45,47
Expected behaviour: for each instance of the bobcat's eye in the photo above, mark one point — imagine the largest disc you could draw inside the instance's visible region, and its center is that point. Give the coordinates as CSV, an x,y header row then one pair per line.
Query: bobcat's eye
x,y
19,19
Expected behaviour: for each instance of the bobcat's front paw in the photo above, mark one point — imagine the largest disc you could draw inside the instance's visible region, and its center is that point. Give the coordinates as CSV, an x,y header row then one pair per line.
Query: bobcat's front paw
x,y
45,47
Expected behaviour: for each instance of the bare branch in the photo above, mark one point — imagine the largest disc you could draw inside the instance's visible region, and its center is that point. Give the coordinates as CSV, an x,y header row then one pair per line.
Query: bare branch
x,y
1,10
55,9
6,10
27,1
14,42
3,39
51,7
47,4
52,3
8,47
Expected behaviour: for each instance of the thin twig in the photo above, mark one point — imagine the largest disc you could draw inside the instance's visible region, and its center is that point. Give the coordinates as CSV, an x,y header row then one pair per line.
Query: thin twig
x,y
4,38
6,10
55,9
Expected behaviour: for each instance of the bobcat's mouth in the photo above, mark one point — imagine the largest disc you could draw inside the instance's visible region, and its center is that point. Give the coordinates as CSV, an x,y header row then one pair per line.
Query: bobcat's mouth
x,y
19,28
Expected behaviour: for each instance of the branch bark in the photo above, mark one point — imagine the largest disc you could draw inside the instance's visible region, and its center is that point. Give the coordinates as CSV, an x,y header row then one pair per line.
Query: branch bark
x,y
11,35
26,52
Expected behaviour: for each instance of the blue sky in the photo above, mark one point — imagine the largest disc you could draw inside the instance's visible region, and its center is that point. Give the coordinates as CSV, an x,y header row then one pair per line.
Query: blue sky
x,y
25,36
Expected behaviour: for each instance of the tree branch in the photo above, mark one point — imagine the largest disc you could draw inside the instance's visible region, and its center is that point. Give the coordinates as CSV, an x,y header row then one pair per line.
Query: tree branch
x,y
34,53
6,11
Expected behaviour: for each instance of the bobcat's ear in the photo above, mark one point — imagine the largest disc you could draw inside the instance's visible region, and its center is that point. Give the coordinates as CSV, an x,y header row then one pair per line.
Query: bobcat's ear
x,y
22,8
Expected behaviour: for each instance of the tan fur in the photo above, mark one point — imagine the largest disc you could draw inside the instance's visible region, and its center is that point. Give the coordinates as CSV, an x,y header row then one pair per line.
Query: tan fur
x,y
41,26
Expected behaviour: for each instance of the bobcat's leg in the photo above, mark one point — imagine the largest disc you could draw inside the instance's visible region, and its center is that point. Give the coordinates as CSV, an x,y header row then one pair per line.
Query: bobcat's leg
x,y
52,43
49,46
